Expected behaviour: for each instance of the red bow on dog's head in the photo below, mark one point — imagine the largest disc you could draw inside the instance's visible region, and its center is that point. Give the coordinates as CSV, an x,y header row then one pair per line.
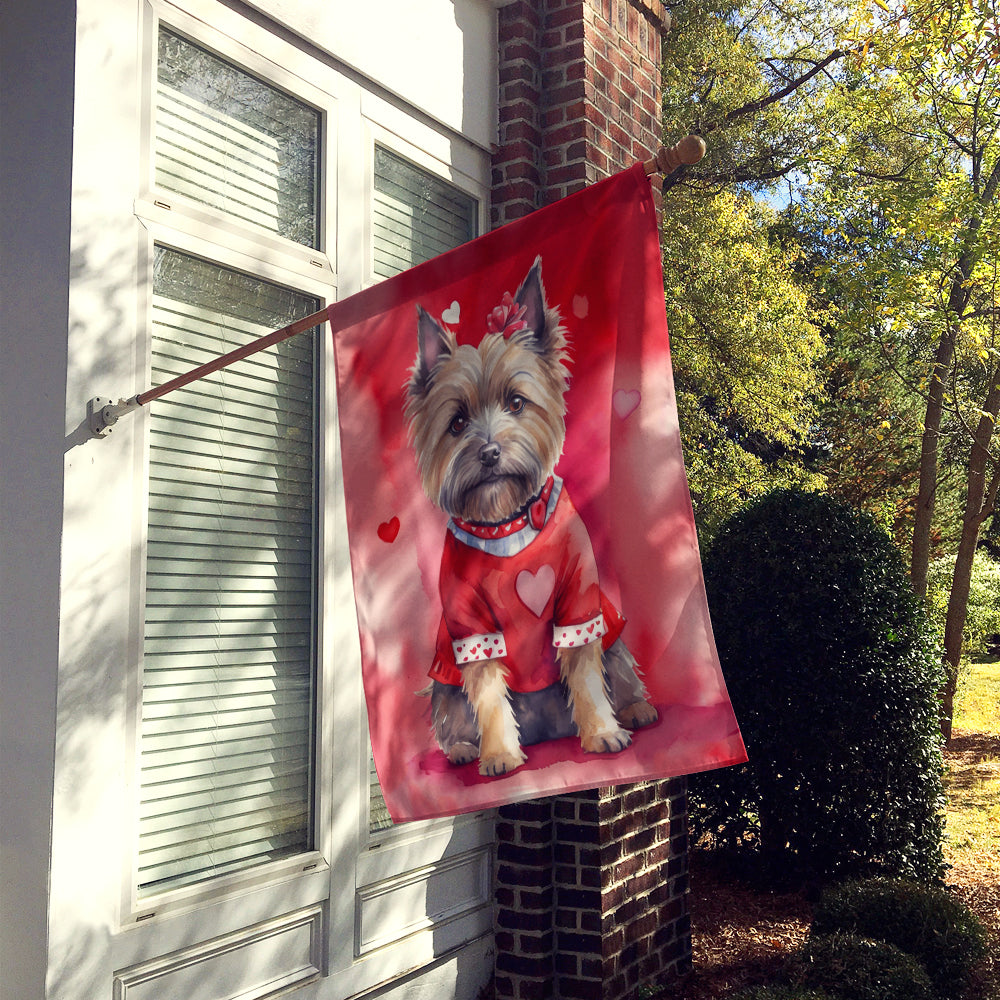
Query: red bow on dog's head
x,y
508,317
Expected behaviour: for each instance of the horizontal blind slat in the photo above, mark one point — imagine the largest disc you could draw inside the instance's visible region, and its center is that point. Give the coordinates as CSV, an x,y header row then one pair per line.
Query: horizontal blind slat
x,y
228,645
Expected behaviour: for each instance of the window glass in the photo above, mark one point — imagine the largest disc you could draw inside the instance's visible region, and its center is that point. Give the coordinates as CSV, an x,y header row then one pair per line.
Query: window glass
x,y
228,680
233,142
416,216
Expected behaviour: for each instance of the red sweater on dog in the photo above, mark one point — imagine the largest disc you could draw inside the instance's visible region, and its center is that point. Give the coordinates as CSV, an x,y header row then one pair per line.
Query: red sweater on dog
x,y
522,607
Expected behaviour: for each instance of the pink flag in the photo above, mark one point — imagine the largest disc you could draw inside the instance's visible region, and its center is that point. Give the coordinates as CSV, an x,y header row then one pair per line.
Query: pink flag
x,y
529,593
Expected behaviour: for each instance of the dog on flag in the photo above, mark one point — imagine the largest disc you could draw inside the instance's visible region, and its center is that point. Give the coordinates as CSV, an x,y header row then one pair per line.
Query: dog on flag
x,y
528,648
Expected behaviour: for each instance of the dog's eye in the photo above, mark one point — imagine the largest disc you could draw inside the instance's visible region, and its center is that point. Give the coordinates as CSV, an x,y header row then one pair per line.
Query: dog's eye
x,y
457,424
517,404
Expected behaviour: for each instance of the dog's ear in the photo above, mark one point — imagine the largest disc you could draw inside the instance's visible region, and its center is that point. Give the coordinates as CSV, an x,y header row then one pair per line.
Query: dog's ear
x,y
531,295
537,315
432,342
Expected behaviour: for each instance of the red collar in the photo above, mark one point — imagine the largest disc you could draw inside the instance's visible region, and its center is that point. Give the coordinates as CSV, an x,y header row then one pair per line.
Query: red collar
x,y
533,512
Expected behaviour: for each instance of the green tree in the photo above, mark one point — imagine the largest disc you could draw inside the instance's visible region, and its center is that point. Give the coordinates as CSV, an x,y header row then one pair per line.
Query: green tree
x,y
910,181
747,352
746,76
880,123
747,358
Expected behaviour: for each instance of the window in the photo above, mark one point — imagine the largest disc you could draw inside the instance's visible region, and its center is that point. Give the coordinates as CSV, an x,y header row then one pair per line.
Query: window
x,y
227,140
228,678
416,216
229,646
274,183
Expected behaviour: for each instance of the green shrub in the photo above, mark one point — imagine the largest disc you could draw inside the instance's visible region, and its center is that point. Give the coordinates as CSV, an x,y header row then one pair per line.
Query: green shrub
x,y
856,968
925,922
833,673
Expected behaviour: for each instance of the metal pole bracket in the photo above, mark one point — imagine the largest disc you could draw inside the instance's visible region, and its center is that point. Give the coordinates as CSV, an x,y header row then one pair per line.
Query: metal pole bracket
x,y
103,413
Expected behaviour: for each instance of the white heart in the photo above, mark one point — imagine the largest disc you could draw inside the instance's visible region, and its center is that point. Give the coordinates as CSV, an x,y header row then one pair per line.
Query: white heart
x,y
625,401
451,314
535,589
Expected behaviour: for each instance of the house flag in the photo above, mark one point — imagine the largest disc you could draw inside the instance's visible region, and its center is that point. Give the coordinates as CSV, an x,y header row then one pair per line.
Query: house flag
x,y
530,602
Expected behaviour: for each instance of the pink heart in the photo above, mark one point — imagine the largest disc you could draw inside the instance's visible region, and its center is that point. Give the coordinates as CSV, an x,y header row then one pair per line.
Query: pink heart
x,y
535,589
388,530
625,401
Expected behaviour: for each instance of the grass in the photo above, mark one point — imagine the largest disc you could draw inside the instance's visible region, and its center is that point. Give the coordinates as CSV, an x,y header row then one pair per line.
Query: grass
x,y
973,805
973,781
978,697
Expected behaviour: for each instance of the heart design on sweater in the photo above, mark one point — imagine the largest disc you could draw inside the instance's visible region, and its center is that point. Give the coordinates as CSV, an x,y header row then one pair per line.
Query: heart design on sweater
x,y
535,589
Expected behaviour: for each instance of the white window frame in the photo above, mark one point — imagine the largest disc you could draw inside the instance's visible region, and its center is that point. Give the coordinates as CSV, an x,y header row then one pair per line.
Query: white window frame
x,y
350,873
177,223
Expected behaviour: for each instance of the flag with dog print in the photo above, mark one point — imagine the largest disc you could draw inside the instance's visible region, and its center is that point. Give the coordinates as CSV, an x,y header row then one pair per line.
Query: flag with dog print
x,y
530,605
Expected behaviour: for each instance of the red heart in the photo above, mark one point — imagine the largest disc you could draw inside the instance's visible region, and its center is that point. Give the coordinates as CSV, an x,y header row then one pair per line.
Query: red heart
x,y
388,530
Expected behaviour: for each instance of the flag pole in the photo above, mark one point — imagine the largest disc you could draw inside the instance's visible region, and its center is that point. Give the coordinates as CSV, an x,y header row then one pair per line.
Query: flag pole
x,y
103,413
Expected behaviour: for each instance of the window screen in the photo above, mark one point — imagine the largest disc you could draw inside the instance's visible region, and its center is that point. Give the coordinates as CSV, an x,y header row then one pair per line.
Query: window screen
x,y
228,656
416,216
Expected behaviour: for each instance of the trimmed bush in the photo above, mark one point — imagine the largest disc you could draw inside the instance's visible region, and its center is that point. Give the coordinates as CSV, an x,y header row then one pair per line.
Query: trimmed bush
x,y
856,968
833,672
925,922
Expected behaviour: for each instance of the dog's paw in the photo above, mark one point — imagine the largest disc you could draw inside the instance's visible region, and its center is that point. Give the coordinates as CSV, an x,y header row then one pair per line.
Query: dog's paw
x,y
497,764
637,715
462,753
606,741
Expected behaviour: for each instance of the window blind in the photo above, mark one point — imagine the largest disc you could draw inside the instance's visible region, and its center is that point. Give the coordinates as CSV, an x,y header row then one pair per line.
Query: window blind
x,y
415,216
228,140
228,654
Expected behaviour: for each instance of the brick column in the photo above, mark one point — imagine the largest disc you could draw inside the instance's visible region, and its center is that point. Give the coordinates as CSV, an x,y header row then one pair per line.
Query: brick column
x,y
591,888
579,96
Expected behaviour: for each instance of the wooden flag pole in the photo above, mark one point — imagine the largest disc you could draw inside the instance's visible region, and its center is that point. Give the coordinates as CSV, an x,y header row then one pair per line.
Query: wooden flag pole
x,y
103,413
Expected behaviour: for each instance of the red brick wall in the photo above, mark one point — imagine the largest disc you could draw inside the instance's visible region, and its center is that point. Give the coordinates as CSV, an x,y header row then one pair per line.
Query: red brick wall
x,y
579,96
591,888
591,893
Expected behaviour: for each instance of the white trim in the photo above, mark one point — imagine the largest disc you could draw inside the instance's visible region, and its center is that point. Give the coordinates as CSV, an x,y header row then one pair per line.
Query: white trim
x,y
96,924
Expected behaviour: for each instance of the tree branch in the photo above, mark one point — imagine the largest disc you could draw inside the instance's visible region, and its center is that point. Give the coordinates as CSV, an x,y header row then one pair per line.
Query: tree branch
x,y
754,106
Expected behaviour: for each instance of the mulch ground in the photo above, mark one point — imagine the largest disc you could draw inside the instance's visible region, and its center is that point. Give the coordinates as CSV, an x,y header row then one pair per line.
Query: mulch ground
x,y
742,935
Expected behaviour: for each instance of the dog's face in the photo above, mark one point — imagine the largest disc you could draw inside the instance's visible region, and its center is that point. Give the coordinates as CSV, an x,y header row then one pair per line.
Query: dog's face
x,y
487,423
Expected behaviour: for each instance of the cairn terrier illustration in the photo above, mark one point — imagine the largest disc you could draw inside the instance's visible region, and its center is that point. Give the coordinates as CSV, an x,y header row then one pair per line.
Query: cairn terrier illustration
x,y
529,647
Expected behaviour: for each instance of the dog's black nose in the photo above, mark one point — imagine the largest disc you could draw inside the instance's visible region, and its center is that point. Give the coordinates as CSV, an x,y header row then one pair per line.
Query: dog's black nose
x,y
489,454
